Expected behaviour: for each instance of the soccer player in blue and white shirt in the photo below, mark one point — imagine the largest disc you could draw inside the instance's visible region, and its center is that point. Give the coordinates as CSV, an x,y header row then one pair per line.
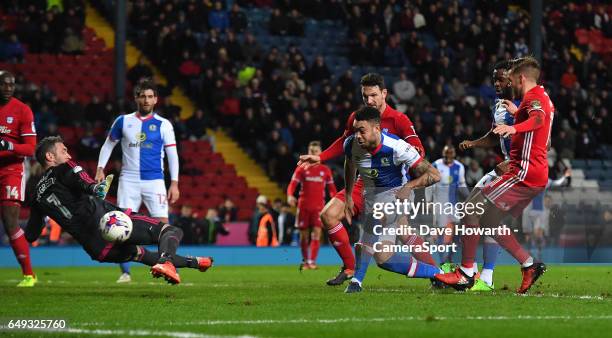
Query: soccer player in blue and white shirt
x,y
144,136
446,192
503,113
382,160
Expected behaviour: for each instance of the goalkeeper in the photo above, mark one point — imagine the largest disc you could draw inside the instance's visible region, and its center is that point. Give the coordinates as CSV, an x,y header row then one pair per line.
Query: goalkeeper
x,y
69,196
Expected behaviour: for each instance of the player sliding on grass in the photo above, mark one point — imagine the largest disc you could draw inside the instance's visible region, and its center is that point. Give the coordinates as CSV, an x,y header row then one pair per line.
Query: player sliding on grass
x,y
69,196
524,180
381,160
374,94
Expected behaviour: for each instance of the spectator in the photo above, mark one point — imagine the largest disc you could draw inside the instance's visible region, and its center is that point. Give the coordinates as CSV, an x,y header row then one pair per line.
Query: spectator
x,y
296,24
266,226
139,71
318,70
12,50
196,125
211,227
218,18
403,88
72,44
473,174
193,232
238,20
228,212
279,23
286,225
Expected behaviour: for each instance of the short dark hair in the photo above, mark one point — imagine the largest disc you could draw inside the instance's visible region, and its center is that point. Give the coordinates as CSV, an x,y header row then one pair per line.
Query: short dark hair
x,y
373,79
143,85
314,144
367,114
6,73
504,64
44,146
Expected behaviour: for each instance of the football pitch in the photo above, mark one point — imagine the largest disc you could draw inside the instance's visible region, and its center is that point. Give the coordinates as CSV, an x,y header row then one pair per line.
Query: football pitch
x,y
274,301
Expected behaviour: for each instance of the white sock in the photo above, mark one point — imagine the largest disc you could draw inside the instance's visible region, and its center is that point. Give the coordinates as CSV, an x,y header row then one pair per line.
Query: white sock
x,y
486,275
475,266
356,280
528,262
468,271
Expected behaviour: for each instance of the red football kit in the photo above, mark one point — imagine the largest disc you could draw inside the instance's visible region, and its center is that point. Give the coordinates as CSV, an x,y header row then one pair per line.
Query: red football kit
x,y
17,127
312,193
528,173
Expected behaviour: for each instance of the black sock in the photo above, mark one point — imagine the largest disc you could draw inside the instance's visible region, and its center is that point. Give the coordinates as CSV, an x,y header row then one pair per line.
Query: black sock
x,y
169,240
151,258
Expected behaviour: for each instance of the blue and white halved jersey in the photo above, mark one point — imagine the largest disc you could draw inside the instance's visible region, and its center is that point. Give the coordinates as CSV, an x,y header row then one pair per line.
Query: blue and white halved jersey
x,y
452,177
143,142
502,116
386,166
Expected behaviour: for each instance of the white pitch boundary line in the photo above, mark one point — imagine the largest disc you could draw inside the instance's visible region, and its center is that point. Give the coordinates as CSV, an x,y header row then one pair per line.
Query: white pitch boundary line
x,y
143,333
357,320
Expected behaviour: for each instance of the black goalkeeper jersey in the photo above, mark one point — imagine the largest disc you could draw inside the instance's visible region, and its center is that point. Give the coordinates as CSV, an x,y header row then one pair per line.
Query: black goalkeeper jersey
x,y
65,194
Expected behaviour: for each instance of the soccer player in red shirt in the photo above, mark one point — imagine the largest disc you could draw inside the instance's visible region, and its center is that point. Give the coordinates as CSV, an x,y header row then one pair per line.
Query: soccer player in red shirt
x,y
374,94
17,141
312,199
526,177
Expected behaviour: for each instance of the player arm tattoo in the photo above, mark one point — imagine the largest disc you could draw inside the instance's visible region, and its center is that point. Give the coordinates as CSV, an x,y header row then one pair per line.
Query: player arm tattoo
x,y
425,174
489,140
349,175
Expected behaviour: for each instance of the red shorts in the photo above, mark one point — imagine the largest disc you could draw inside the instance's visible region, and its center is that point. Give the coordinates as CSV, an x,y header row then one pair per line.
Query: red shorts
x,y
307,219
510,194
357,196
12,186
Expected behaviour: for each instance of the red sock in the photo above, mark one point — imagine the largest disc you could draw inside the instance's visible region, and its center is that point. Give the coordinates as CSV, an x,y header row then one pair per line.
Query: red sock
x,y
304,247
21,248
510,243
424,257
470,244
339,238
314,249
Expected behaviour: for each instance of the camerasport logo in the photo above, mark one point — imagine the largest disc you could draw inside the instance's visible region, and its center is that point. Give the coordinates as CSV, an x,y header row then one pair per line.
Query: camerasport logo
x,y
4,130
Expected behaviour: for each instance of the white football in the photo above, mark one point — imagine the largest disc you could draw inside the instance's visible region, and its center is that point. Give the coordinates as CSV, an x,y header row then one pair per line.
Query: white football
x,y
115,226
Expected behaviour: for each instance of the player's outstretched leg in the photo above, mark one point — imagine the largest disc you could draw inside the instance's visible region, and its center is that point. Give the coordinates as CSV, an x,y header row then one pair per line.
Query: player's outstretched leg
x,y
332,216
151,258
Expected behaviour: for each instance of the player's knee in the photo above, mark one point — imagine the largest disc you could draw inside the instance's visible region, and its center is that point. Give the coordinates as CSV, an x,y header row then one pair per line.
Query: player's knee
x,y
172,230
330,218
382,257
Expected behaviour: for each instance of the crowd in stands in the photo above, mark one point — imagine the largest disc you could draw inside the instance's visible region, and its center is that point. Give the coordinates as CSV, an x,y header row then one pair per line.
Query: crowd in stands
x,y
274,102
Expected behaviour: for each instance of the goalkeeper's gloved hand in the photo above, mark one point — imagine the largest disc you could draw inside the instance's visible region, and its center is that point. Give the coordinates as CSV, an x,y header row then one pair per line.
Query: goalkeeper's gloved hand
x,y
100,190
5,145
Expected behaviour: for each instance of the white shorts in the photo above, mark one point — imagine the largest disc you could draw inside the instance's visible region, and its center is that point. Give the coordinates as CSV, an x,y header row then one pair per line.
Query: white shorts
x,y
389,221
488,177
131,194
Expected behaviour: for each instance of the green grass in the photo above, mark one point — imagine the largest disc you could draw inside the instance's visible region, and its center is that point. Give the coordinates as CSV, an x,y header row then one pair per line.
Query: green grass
x,y
568,301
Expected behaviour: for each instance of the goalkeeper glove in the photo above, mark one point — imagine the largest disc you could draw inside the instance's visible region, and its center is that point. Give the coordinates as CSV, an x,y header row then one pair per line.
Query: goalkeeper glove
x,y
100,189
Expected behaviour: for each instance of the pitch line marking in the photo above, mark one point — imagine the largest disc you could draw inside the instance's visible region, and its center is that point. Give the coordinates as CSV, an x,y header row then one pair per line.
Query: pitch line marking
x,y
388,319
142,333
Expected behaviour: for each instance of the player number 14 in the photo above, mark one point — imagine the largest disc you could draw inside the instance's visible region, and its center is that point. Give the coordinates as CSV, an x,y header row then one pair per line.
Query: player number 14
x,y
11,192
